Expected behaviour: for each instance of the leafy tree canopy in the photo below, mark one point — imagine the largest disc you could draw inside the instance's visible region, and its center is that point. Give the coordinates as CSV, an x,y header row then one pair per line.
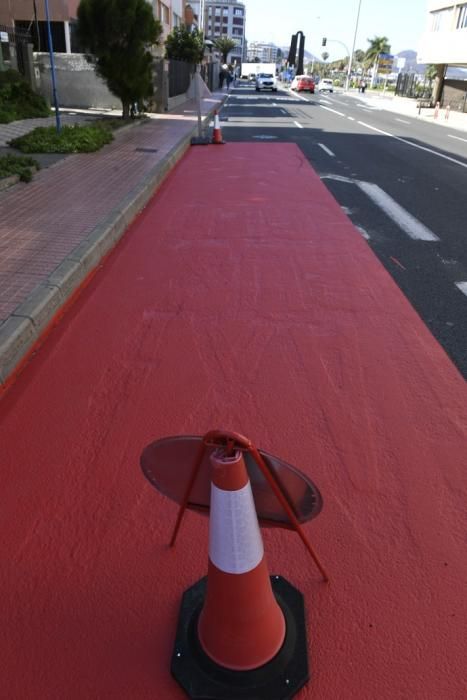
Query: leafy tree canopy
x,y
224,44
119,33
378,45
185,45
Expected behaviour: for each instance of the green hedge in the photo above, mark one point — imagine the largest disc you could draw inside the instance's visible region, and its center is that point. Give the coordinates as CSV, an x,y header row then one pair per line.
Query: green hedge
x,y
18,165
17,99
71,139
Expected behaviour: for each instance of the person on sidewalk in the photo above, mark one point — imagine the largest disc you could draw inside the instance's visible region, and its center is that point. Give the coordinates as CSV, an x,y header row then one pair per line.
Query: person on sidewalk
x,y
362,86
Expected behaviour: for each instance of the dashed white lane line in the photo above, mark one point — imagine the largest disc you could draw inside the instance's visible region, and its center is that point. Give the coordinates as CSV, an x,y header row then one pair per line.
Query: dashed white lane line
x,y
341,114
325,102
451,136
408,223
414,145
402,121
327,150
462,286
352,119
298,124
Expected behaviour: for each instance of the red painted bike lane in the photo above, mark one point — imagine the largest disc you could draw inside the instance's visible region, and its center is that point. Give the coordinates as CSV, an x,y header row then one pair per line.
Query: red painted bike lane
x,y
241,298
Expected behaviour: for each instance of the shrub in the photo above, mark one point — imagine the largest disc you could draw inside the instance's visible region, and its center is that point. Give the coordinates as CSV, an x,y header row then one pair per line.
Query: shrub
x,y
18,100
18,165
71,139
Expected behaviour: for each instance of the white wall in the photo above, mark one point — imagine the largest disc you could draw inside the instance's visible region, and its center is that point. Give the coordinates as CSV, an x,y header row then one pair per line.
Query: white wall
x,y
448,45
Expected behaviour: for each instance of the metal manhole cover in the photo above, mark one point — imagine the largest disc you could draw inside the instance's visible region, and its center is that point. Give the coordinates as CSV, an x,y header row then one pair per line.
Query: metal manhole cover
x,y
146,150
265,137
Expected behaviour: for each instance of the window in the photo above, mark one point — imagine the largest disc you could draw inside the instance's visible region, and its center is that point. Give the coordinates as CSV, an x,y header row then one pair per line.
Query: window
x,y
225,20
217,12
462,17
225,11
441,20
177,20
238,12
238,20
224,30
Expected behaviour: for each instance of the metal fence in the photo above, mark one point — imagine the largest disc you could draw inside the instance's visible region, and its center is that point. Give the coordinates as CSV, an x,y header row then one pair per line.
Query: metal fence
x,y
12,41
180,73
410,85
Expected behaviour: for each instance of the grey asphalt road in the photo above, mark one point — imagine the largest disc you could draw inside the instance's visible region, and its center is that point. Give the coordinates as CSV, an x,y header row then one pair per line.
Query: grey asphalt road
x,y
403,182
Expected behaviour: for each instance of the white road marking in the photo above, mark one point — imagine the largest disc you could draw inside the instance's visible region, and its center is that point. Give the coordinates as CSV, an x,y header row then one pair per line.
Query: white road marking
x,y
299,125
403,121
414,145
462,286
364,233
451,136
296,94
283,111
325,102
408,223
352,119
332,110
365,107
327,150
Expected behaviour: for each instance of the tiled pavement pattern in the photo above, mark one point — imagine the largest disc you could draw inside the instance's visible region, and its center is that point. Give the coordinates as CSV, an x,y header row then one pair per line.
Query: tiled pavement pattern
x,y
43,221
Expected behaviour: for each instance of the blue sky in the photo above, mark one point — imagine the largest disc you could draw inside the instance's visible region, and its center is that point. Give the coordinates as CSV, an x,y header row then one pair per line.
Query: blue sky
x,y
402,21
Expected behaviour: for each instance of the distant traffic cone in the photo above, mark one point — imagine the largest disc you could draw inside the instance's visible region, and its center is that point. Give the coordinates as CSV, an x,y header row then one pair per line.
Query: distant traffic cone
x,y
241,626
217,134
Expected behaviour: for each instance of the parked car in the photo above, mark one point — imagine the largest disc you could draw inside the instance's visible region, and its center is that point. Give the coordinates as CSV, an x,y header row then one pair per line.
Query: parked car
x,y
303,82
325,84
266,81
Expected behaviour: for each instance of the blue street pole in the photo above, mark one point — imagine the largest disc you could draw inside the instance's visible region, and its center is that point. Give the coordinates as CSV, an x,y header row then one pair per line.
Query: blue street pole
x,y
52,66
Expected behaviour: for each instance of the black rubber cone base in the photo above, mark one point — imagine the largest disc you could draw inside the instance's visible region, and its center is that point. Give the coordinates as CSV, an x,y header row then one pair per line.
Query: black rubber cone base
x,y
203,679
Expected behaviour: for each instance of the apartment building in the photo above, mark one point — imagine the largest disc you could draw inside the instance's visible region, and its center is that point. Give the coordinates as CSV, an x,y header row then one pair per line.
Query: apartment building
x,y
445,38
227,19
266,53
25,14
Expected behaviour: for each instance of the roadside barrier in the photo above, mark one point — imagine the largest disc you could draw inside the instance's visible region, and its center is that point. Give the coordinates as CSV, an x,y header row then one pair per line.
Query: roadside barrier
x,y
217,134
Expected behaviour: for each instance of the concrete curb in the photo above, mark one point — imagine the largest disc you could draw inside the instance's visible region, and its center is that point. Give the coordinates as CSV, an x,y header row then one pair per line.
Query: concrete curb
x,y
24,327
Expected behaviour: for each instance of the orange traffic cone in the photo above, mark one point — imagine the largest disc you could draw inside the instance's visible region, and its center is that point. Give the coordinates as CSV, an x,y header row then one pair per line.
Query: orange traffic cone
x,y
217,134
241,634
241,626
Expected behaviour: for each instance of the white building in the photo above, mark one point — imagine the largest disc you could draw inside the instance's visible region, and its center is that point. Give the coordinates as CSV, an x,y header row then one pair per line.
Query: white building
x,y
227,19
265,52
445,38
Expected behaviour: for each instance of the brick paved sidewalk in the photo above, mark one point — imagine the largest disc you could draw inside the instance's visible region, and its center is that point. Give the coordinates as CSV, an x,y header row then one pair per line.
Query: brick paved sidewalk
x,y
42,222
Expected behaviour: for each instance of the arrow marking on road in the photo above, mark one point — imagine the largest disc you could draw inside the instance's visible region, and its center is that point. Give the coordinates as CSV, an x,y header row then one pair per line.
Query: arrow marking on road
x,y
408,223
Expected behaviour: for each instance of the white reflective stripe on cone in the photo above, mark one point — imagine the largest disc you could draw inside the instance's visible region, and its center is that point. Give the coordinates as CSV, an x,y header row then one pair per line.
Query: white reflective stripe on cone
x,y
235,543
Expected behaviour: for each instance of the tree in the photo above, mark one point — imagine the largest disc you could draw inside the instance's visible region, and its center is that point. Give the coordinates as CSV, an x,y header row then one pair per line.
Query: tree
x,y
185,45
378,45
359,56
325,55
224,44
119,34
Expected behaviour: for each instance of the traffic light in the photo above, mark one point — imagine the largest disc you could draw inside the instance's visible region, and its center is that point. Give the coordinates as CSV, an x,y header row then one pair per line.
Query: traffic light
x,y
323,43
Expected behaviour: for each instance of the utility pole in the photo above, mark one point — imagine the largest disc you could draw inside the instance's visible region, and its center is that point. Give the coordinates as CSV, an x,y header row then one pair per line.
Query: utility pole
x,y
52,67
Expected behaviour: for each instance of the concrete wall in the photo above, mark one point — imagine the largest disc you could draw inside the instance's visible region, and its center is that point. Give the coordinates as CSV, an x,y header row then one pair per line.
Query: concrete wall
x,y
77,82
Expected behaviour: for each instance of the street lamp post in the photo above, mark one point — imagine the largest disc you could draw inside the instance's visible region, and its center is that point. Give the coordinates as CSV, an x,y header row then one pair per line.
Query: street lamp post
x,y
349,70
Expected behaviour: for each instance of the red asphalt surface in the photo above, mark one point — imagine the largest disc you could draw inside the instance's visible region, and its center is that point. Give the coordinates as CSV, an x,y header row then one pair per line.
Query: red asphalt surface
x,y
241,298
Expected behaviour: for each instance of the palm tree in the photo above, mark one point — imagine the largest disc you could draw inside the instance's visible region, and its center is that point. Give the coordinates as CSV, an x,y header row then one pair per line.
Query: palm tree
x,y
224,44
378,45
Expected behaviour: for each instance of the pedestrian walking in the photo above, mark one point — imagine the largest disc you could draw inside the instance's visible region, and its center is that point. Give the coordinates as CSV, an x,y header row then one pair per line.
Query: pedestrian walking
x,y
362,86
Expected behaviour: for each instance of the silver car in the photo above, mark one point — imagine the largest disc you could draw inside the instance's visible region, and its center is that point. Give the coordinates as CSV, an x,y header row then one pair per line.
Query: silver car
x,y
266,81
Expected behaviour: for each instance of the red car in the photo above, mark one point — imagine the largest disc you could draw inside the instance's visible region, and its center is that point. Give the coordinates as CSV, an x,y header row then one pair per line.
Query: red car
x,y
303,82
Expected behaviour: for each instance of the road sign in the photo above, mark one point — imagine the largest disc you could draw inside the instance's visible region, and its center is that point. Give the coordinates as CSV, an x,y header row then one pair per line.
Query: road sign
x,y
385,63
